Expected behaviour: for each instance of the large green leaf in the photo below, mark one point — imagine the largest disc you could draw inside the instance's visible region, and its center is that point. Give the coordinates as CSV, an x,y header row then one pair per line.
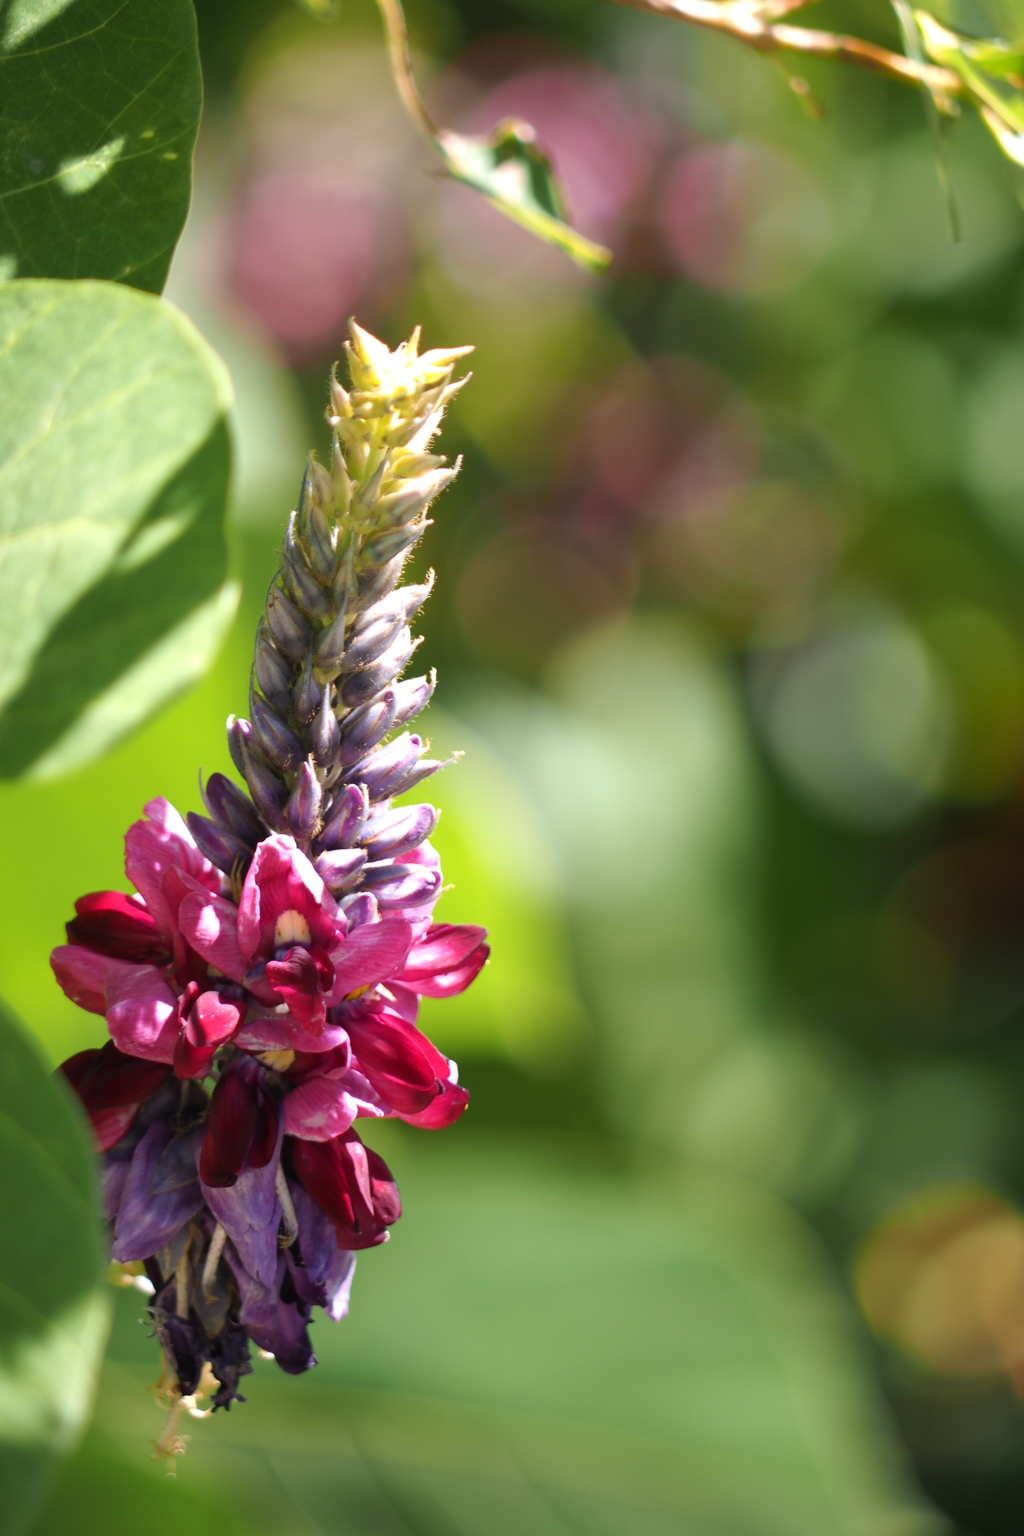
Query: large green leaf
x,y
114,466
99,108
53,1314
553,1345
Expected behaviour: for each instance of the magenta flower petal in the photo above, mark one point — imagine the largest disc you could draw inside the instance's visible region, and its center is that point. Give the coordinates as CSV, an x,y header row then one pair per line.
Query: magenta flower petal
x,y
210,926
401,1064
352,1185
207,1023
280,880
142,1012
282,1033
300,979
446,959
444,1111
368,955
114,924
82,975
319,1110
155,845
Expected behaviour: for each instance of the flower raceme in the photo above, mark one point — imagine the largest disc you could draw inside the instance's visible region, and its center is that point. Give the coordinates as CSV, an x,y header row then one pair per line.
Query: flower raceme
x,y
261,984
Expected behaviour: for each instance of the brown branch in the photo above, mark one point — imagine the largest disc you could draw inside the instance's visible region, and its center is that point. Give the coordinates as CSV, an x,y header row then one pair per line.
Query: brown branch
x,y
743,20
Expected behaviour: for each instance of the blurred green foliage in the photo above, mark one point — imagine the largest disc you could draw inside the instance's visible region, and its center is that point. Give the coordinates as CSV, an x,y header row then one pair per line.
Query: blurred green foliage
x,y
729,625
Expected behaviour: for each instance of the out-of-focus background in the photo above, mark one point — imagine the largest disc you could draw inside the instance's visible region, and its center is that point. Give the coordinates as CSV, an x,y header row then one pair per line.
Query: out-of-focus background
x,y
729,624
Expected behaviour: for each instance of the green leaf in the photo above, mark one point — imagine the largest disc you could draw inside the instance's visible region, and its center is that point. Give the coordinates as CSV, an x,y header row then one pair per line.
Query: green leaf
x,y
553,1345
53,1312
114,467
515,176
1001,105
101,103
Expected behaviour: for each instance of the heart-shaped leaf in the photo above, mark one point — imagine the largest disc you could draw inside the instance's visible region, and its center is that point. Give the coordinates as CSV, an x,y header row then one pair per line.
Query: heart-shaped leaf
x,y
114,465
53,1312
516,177
101,102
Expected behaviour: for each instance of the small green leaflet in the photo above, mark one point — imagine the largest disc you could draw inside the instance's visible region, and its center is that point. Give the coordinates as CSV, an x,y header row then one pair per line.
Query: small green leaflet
x,y
516,177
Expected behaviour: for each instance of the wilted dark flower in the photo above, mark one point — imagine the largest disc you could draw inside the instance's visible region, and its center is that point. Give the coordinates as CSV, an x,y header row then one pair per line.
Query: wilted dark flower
x,y
262,984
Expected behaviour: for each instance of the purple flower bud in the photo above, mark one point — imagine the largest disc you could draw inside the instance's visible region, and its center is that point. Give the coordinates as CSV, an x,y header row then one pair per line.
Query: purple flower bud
x,y
402,885
232,808
364,727
291,633
340,868
273,671
359,909
417,773
387,765
411,696
267,791
239,733
362,686
330,647
390,833
302,813
306,694
221,847
344,824
372,635
324,736
276,740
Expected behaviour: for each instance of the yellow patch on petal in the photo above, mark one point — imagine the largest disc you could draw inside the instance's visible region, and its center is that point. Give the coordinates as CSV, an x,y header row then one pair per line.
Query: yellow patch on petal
x,y
277,1061
291,928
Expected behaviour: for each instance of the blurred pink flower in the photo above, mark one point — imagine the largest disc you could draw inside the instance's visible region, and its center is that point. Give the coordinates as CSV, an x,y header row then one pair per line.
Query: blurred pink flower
x,y
302,257
743,218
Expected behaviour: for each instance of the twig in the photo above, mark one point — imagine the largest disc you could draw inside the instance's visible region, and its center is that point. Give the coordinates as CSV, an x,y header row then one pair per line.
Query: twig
x,y
746,21
401,68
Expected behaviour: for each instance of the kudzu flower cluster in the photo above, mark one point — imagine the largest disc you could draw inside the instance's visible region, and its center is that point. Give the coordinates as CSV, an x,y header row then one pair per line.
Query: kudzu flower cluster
x,y
261,985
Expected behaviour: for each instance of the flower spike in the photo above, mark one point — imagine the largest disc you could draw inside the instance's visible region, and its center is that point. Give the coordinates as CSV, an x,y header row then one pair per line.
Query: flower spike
x,y
261,987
